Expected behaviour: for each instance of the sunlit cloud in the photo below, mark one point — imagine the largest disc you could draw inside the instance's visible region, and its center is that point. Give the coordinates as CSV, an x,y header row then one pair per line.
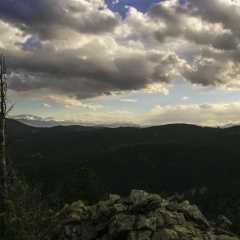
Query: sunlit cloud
x,y
199,114
45,105
128,100
73,102
68,106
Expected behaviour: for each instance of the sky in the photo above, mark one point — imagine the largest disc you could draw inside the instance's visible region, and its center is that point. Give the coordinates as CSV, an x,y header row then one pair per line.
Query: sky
x,y
140,61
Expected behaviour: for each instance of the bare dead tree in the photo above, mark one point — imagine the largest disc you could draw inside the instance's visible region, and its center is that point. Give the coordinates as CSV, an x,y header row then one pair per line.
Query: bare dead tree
x,y
3,113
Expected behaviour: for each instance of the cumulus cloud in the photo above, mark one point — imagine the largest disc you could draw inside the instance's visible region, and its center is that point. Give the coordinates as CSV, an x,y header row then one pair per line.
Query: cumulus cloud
x,y
68,106
100,117
111,70
73,102
128,100
45,105
50,19
155,88
199,114
82,50
185,98
124,112
211,26
207,23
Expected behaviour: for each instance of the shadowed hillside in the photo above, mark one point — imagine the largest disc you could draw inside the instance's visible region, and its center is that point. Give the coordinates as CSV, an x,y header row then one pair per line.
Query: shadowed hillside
x,y
170,158
73,141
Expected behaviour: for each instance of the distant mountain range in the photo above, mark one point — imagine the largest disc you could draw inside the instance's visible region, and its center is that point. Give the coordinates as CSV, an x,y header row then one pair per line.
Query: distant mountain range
x,y
36,121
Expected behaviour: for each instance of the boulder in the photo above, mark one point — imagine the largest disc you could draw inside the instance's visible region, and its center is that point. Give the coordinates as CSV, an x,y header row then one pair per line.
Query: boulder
x,y
121,224
223,222
141,216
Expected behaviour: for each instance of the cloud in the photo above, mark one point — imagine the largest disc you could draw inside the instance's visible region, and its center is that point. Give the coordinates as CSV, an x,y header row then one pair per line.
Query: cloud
x,y
111,71
45,105
209,23
68,106
100,117
185,98
211,26
84,50
50,19
156,88
199,114
73,102
128,100
124,112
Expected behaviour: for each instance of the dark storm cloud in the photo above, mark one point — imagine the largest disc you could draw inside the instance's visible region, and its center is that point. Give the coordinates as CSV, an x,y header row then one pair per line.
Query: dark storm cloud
x,y
213,26
66,73
177,18
46,18
206,73
216,11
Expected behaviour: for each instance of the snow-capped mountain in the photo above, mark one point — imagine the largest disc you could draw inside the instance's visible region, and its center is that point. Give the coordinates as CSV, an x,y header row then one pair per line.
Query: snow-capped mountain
x,y
36,121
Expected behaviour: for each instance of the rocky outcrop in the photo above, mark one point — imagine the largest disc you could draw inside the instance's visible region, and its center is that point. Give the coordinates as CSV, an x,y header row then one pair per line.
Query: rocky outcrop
x,y
141,216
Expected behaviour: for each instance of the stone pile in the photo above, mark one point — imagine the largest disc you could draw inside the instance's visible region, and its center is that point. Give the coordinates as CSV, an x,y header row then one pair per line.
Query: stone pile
x,y
141,216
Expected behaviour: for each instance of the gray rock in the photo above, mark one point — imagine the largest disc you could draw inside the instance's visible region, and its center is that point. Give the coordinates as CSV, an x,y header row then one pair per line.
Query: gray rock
x,y
67,231
113,198
89,233
121,225
158,216
74,236
220,231
133,235
144,235
144,223
185,231
142,200
224,237
191,211
106,237
223,222
165,234
103,210
172,218
141,216
101,226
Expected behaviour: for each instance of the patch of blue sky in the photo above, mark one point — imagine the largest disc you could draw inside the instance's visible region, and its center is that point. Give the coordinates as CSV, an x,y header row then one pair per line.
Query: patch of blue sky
x,y
31,44
34,107
120,6
179,89
199,94
182,1
141,5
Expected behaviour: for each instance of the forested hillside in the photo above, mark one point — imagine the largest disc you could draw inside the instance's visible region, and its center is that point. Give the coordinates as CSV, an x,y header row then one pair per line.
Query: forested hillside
x,y
170,158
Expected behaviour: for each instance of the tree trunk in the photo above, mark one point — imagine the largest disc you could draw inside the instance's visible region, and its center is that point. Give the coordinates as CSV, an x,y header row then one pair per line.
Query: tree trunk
x,y
3,177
